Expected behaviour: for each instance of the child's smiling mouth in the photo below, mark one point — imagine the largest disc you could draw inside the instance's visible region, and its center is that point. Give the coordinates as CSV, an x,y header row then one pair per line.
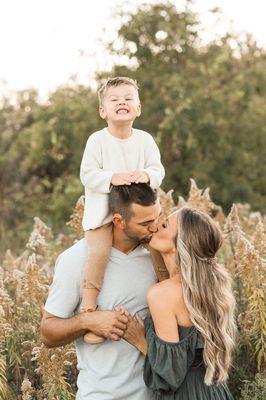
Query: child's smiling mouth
x,y
122,110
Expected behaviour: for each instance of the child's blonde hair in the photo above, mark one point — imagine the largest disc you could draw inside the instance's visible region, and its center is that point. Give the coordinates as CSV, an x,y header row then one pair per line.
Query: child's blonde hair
x,y
116,81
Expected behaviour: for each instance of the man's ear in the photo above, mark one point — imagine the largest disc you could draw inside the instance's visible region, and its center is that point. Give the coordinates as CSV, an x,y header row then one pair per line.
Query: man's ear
x,y
119,221
102,112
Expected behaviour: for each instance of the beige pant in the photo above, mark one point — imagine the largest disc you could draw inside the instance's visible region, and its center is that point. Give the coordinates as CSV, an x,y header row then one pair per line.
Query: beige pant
x,y
100,244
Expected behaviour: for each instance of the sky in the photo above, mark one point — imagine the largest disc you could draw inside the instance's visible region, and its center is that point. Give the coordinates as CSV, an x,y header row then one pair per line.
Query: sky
x,y
45,42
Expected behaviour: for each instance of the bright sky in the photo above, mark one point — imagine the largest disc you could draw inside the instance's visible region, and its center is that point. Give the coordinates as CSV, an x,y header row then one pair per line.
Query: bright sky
x,y
42,41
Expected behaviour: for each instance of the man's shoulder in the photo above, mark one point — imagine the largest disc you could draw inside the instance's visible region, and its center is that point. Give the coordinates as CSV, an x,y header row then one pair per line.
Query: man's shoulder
x,y
72,259
144,256
144,252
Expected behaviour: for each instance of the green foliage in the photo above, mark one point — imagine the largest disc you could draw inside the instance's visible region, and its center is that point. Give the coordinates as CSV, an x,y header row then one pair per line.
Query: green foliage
x,y
41,149
205,104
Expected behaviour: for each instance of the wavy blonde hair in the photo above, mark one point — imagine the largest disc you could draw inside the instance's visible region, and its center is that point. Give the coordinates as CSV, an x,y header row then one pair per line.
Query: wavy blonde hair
x,y
207,290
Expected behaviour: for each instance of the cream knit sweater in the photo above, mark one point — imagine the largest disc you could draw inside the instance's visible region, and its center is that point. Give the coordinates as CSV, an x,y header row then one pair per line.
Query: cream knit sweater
x,y
105,155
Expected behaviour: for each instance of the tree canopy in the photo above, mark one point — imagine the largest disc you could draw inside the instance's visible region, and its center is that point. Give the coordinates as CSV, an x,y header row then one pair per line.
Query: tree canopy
x,y
203,103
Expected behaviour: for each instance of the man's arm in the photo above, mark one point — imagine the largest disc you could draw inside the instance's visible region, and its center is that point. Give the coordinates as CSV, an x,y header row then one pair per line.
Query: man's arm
x,y
57,331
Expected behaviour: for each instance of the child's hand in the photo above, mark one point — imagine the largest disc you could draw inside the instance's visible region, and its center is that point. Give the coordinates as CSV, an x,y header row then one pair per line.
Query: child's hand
x,y
140,177
122,179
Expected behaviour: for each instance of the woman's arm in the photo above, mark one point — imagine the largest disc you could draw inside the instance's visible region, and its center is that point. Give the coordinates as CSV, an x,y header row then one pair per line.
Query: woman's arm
x,y
135,332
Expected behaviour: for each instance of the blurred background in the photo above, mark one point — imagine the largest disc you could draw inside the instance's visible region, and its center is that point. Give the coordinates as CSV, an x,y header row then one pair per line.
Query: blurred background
x,y
201,67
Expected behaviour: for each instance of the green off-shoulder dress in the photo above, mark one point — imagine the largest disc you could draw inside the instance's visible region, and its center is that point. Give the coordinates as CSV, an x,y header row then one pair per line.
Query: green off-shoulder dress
x,y
175,371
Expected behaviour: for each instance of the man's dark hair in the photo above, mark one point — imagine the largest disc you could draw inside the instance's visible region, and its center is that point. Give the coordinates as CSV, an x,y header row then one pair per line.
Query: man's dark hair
x,y
122,197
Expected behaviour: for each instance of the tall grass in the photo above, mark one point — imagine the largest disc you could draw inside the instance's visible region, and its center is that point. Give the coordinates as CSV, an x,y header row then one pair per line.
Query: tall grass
x,y
30,371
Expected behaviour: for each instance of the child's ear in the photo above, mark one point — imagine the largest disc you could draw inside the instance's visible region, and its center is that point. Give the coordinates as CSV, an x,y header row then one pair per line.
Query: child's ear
x,y
102,112
139,110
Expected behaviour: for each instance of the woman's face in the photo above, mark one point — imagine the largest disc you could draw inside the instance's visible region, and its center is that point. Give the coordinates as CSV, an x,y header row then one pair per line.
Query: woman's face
x,y
164,240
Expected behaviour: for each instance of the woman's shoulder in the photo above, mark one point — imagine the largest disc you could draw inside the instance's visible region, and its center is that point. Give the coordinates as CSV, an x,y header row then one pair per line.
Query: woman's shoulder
x,y
168,295
166,291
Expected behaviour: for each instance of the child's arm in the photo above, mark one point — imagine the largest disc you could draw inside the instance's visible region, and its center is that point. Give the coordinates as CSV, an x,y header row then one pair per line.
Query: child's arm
x,y
92,174
153,166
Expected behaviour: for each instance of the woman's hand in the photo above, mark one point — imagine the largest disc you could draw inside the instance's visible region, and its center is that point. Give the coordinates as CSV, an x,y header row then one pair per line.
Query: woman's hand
x,y
134,334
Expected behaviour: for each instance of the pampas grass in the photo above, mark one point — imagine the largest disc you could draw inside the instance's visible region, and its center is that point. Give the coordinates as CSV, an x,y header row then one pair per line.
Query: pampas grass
x,y
29,371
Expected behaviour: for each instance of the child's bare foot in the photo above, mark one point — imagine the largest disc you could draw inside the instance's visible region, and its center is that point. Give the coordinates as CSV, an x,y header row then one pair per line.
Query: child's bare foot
x,y
92,338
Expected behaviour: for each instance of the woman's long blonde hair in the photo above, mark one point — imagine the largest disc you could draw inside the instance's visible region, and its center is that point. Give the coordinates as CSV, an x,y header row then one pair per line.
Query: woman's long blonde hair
x,y
207,290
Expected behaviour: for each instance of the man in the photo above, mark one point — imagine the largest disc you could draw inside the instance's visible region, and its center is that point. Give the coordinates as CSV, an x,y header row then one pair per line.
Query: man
x,y
112,369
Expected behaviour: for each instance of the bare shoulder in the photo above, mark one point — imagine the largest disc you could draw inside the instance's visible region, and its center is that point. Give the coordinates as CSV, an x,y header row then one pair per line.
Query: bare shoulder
x,y
167,291
166,298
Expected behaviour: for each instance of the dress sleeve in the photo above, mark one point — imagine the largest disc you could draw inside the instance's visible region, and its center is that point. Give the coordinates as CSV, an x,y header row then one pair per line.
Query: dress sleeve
x,y
166,364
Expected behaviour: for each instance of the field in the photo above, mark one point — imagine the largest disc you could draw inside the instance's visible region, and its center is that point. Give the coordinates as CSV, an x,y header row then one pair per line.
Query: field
x,y
30,371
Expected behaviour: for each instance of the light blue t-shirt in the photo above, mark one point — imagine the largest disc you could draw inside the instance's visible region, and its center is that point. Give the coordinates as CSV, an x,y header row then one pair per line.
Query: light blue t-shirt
x,y
112,370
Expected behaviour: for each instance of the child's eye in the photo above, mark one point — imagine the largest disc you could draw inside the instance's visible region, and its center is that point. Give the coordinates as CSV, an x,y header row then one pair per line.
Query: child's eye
x,y
128,99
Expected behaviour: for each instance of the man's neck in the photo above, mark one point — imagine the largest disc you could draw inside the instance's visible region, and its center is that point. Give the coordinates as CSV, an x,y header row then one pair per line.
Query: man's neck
x,y
122,243
121,131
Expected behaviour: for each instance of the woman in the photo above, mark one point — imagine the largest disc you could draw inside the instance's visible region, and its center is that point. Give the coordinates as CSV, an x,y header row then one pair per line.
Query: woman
x,y
190,334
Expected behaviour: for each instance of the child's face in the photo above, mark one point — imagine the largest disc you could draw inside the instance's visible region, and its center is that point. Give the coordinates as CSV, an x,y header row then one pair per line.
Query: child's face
x,y
120,104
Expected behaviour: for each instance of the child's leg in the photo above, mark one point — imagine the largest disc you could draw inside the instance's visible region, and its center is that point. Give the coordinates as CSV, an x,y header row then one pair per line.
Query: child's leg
x,y
159,265
99,247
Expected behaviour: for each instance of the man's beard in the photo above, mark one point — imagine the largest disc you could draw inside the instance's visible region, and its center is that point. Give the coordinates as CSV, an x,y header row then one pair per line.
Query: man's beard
x,y
136,239
145,240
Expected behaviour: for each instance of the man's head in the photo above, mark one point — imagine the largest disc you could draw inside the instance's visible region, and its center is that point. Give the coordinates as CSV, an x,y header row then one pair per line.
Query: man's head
x,y
119,100
135,210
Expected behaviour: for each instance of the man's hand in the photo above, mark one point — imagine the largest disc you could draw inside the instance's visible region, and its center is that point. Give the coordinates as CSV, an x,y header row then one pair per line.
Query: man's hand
x,y
122,179
57,331
140,177
109,324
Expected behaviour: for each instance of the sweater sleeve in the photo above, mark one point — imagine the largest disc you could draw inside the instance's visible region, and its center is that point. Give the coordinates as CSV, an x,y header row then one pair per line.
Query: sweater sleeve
x,y
92,175
153,166
166,364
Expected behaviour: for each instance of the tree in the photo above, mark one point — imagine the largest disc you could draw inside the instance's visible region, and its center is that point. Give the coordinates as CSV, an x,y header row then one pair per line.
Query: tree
x,y
41,149
203,103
